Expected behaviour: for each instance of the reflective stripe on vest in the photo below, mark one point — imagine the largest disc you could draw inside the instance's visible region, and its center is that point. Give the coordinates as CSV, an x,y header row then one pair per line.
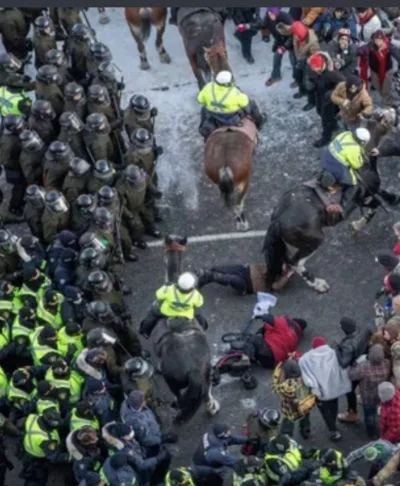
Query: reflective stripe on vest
x,y
3,383
219,103
188,481
292,459
16,394
4,336
63,342
9,102
7,305
39,351
18,329
42,405
176,304
73,384
35,436
76,422
55,320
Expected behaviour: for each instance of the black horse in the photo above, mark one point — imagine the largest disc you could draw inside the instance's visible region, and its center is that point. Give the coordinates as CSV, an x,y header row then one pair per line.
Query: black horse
x,y
296,228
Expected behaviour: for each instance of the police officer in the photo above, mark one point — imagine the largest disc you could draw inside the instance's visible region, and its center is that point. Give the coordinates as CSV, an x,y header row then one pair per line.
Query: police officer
x,y
78,50
82,415
67,381
283,461
99,102
75,100
131,188
101,287
74,306
22,390
12,67
32,252
9,259
57,58
7,346
72,133
42,119
14,31
76,181
82,213
34,285
261,426
119,469
56,215
90,259
46,398
56,165
99,53
31,156
64,273
13,99
65,239
70,341
44,345
49,309
48,81
137,374
44,39
138,114
103,226
33,209
64,18
10,150
42,441
333,467
105,77
23,328
103,174
98,140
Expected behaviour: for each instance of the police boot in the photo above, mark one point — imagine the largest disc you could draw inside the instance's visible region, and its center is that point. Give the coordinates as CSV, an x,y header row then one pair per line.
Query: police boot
x,y
131,257
153,231
204,277
349,201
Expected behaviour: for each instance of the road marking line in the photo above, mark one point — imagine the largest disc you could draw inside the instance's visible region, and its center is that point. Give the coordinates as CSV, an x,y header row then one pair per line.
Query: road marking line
x,y
216,237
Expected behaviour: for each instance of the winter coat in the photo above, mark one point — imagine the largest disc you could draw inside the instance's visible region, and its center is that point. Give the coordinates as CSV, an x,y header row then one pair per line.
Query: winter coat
x,y
347,59
389,423
87,370
53,223
361,104
281,338
116,477
76,142
329,24
395,351
147,429
321,371
395,43
370,376
32,166
14,30
282,18
242,15
311,15
352,346
368,23
83,460
304,50
390,468
44,128
326,81
379,61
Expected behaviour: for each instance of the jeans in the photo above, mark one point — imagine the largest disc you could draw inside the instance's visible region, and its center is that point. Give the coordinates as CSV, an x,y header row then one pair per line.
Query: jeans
x,y
293,62
287,426
370,420
276,65
329,411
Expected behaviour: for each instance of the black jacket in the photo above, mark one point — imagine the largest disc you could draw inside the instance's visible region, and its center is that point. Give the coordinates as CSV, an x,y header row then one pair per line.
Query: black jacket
x,y
352,347
250,16
282,18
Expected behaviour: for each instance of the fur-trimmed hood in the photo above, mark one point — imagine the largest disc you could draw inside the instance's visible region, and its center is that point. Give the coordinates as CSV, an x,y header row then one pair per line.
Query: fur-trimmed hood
x,y
86,368
72,447
110,439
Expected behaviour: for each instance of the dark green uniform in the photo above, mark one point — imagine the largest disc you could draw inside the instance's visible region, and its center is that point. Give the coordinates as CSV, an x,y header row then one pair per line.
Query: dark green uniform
x,y
17,80
74,186
79,53
32,165
14,30
53,223
66,77
100,146
76,142
95,184
132,200
41,45
44,128
106,109
54,172
53,94
76,107
132,122
33,217
64,18
80,222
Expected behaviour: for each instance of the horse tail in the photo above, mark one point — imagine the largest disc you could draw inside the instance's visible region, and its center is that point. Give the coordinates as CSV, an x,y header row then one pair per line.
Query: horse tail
x,y
226,185
191,400
275,252
145,14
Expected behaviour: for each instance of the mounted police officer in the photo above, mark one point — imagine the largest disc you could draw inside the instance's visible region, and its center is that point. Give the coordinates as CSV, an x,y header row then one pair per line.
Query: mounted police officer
x,y
44,39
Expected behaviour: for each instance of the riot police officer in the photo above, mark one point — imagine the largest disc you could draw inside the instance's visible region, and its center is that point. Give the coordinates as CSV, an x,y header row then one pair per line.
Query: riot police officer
x,y
12,67
72,133
48,81
14,31
99,53
138,114
34,208
56,215
105,77
103,174
82,213
99,102
41,120
75,100
57,58
64,18
56,165
78,49
44,39
75,183
97,138
31,156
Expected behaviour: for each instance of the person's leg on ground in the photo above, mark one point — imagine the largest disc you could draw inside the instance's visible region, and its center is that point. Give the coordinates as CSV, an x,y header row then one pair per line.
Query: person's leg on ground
x,y
276,69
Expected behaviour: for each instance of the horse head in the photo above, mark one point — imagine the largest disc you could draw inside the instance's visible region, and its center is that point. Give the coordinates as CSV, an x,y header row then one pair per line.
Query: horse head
x,y
175,243
217,58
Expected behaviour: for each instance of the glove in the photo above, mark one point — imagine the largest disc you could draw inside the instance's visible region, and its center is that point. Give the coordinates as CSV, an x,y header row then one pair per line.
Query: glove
x,y
158,151
242,27
281,50
154,111
121,86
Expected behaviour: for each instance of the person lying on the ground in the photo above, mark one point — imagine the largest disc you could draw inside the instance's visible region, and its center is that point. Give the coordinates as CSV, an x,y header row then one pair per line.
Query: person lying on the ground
x,y
376,453
245,279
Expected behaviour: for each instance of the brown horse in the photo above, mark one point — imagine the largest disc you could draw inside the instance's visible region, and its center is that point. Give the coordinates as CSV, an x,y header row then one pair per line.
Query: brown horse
x,y
228,157
140,20
204,40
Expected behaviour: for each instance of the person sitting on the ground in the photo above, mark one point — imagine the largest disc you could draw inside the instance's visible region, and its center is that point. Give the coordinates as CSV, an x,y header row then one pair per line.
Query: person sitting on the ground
x,y
224,104
180,300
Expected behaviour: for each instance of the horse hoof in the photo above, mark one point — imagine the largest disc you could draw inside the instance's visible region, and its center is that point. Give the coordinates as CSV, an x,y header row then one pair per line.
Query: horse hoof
x,y
144,66
213,407
359,225
242,226
321,285
165,58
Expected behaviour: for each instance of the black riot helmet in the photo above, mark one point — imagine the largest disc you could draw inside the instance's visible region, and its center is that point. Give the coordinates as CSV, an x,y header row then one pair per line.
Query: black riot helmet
x,y
81,33
106,71
30,141
86,204
98,280
55,58
44,26
57,151
10,63
135,175
98,123
48,74
56,202
75,92
103,218
103,170
106,195
14,124
71,122
100,52
91,240
78,167
141,106
270,418
90,258
98,94
35,195
99,336
141,138
43,110
6,241
138,368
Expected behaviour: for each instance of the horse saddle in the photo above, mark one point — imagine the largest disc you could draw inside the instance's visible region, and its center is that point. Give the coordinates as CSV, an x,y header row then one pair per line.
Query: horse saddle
x,y
333,195
247,126
176,325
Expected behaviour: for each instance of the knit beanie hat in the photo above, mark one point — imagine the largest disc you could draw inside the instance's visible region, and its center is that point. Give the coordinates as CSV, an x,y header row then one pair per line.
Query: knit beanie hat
x,y
388,259
371,454
348,325
119,430
274,10
386,391
317,342
136,399
376,354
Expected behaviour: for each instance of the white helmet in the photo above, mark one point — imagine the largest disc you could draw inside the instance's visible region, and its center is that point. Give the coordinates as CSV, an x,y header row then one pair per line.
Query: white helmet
x,y
224,78
362,136
187,281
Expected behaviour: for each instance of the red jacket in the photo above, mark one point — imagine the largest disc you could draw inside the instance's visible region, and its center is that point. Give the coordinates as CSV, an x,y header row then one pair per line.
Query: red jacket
x,y
389,424
281,338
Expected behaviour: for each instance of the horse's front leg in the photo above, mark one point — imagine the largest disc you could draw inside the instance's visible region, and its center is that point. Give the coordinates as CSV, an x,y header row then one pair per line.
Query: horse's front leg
x,y
241,222
136,34
164,56
360,224
298,265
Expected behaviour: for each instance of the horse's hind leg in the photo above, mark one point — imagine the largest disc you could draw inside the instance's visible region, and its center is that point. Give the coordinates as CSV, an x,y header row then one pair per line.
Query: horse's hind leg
x,y
319,284
212,405
164,56
136,34
241,222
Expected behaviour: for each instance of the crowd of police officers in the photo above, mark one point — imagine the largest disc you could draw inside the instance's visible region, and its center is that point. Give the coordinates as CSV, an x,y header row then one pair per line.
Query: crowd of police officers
x,y
82,177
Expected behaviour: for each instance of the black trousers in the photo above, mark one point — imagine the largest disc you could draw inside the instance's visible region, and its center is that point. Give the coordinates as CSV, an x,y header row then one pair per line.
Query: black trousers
x,y
329,411
245,39
237,276
18,183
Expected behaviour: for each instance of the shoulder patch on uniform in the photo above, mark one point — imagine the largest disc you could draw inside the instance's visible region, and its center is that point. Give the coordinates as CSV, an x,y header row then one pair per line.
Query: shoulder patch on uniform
x,y
52,445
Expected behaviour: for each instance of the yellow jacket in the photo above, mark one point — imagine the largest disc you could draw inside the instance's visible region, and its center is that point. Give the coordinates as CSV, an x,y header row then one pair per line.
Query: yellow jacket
x,y
345,149
222,99
177,304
